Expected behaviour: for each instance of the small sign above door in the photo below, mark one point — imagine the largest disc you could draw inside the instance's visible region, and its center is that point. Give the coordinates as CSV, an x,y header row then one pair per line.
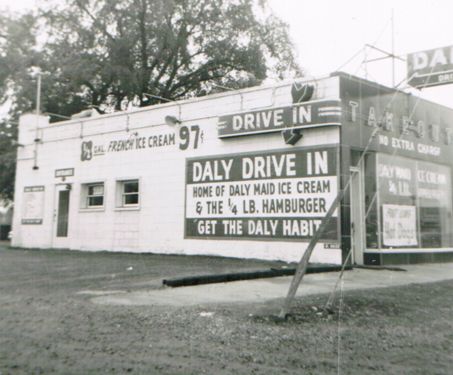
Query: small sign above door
x,y
67,172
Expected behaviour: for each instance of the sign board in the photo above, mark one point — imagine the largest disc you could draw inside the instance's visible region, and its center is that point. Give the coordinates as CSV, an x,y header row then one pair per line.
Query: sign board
x,y
33,205
416,202
430,68
298,116
396,178
187,137
433,184
399,225
67,172
267,195
383,120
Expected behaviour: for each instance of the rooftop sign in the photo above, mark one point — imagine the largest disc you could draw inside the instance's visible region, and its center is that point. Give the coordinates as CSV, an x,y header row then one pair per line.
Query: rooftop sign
x,y
430,68
298,116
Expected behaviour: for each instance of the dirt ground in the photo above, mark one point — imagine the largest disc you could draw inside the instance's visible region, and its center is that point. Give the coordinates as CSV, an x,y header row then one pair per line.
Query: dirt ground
x,y
48,326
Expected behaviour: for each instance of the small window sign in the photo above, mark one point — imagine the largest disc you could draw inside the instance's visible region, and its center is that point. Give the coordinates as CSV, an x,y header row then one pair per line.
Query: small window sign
x,y
331,245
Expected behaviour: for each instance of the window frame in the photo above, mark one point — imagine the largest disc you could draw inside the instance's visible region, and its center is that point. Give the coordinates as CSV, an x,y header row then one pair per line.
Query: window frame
x,y
122,195
85,196
93,195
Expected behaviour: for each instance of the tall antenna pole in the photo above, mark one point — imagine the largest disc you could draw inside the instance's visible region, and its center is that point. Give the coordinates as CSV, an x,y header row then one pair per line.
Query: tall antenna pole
x,y
393,48
365,61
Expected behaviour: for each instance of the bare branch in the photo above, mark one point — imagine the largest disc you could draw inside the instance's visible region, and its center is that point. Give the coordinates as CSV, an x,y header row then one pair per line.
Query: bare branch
x,y
94,19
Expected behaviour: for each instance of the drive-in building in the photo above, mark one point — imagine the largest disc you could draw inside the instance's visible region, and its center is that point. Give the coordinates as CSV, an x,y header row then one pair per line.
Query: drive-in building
x,y
249,174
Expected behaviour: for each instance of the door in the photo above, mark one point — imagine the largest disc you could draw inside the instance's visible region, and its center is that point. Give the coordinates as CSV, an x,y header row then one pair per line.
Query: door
x,y
61,215
357,215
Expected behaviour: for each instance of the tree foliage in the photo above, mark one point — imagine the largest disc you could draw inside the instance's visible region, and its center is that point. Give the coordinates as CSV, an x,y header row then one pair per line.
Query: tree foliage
x,y
99,52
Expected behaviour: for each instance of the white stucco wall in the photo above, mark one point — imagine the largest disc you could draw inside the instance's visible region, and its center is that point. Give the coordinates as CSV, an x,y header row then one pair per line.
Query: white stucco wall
x,y
158,224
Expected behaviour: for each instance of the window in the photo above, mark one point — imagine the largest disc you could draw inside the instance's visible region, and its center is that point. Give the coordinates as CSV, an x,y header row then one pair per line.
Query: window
x,y
435,205
414,203
93,195
129,193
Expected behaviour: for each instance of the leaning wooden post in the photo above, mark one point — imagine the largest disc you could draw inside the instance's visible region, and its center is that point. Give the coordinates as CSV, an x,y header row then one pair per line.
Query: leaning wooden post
x,y
303,264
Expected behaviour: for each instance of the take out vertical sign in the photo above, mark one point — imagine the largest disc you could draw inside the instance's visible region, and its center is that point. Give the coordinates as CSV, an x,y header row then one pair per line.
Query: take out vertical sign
x,y
280,194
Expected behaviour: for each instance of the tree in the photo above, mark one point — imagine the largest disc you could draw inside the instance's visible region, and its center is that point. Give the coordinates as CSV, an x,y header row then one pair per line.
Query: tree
x,y
17,53
7,160
94,52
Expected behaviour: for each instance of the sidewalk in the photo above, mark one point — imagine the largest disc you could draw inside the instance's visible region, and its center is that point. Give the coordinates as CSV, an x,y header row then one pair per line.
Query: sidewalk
x,y
261,290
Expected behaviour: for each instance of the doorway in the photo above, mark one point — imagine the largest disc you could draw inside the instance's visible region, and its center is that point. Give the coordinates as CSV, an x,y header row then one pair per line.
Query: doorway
x,y
61,215
357,215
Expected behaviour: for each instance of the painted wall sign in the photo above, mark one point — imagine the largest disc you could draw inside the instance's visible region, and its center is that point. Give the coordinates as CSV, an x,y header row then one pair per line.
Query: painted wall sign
x,y
430,68
434,184
186,137
304,115
405,124
403,183
399,225
397,179
277,194
128,142
33,205
67,172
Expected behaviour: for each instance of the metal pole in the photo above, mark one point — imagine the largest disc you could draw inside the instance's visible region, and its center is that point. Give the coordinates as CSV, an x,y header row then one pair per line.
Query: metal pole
x,y
393,49
38,95
38,112
365,59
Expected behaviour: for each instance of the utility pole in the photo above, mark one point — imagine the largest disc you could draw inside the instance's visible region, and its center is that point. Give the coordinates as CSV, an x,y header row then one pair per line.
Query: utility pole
x,y
38,93
37,71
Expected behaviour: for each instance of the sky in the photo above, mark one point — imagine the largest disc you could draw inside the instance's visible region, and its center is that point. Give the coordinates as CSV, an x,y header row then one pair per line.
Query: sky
x,y
328,33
